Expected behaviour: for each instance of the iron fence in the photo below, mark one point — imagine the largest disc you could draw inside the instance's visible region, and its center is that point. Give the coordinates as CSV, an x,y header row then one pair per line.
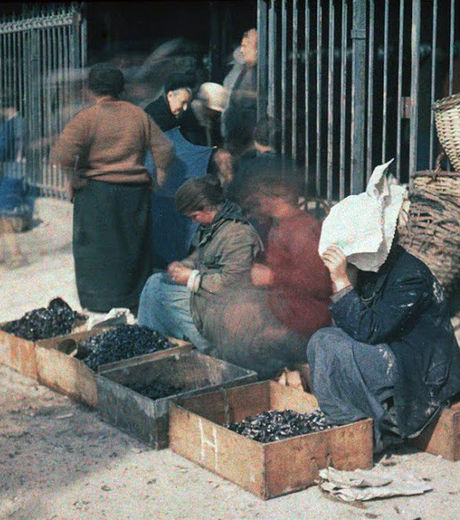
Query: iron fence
x,y
353,81
42,56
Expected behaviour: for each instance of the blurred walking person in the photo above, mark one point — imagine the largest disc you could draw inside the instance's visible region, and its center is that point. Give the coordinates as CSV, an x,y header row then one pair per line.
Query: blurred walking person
x,y
240,116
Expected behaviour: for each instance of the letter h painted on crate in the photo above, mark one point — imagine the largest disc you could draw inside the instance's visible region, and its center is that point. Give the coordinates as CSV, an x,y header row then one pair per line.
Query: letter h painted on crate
x,y
205,441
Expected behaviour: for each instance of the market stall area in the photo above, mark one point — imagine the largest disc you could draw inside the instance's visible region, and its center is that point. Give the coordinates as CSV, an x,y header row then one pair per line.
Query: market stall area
x,y
60,460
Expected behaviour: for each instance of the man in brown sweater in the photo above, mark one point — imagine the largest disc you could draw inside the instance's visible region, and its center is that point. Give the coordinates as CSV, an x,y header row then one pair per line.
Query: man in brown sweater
x,y
108,140
102,149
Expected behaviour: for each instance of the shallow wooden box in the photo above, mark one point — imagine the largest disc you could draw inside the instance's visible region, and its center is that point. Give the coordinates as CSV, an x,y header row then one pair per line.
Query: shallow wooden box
x,y
148,419
443,436
70,376
19,353
267,470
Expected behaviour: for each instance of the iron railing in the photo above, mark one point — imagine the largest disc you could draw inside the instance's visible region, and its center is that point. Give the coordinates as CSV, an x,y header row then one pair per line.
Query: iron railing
x,y
42,56
353,81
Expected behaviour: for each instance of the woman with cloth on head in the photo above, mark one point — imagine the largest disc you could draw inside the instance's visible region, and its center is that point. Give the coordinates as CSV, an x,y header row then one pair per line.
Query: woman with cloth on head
x,y
392,354
179,303
103,148
265,327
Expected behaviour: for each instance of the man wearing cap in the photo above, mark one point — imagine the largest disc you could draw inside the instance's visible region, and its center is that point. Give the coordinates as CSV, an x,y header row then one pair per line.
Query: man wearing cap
x,y
201,124
173,102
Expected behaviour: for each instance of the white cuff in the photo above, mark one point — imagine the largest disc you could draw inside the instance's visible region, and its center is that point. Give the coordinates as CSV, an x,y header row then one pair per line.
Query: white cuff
x,y
193,283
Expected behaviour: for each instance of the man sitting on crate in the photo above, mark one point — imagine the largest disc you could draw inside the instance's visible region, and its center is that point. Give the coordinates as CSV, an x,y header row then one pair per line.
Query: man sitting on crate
x,y
392,355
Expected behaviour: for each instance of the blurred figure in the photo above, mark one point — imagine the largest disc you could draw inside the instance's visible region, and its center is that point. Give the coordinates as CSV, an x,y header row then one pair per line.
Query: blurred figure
x,y
15,216
221,166
261,155
173,102
241,113
102,149
265,328
201,124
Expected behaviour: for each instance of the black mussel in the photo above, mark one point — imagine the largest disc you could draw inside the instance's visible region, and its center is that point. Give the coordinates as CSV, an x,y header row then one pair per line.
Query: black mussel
x,y
122,342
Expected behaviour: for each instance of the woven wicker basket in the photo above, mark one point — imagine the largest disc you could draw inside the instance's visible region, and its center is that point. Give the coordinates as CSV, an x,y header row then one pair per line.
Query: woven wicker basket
x,y
447,118
432,232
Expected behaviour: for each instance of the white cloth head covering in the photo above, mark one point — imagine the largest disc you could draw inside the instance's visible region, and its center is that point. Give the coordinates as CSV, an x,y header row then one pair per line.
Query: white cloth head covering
x,y
364,225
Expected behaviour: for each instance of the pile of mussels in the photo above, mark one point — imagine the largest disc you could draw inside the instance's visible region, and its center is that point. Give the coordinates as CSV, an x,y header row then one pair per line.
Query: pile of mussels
x,y
157,390
275,425
55,320
121,342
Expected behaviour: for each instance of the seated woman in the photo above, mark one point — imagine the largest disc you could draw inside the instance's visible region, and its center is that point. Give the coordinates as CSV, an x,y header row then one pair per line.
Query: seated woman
x,y
179,303
266,327
392,355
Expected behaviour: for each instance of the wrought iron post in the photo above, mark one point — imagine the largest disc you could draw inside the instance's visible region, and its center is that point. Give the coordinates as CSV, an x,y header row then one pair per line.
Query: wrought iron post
x,y
358,95
262,51
415,72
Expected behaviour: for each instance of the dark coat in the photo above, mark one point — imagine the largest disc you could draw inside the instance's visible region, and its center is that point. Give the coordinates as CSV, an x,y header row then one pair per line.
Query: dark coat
x,y
403,305
160,112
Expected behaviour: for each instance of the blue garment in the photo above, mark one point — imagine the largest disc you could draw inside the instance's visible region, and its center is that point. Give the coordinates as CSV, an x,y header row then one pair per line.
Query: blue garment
x,y
11,138
353,381
15,200
172,232
164,306
403,305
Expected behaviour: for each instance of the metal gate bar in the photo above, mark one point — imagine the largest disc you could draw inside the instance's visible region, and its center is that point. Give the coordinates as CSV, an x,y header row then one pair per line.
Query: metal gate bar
x,y
372,72
40,52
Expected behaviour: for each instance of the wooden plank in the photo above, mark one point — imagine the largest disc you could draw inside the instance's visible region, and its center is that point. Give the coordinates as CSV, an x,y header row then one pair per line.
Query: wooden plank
x,y
185,370
213,447
182,347
146,419
267,470
18,354
294,464
129,411
64,373
230,404
443,436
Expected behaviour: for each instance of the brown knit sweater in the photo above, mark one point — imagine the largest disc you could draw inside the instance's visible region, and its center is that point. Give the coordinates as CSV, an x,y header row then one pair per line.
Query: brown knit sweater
x,y
108,141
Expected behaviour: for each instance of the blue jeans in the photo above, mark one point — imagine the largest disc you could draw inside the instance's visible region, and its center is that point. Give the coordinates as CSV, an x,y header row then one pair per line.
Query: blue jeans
x,y
164,306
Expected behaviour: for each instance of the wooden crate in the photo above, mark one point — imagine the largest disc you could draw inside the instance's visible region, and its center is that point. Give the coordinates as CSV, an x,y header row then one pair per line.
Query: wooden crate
x,y
443,436
148,419
70,376
18,354
271,469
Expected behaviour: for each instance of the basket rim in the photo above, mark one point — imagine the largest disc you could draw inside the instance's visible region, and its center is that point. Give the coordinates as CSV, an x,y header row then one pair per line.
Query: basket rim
x,y
446,102
432,173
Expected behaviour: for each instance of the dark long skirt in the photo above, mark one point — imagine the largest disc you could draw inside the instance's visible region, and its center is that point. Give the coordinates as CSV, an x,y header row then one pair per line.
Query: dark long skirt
x,y
354,380
111,244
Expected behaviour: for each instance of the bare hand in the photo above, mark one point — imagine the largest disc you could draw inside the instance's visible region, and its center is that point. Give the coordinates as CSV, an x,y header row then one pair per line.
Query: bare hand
x,y
179,273
261,275
336,261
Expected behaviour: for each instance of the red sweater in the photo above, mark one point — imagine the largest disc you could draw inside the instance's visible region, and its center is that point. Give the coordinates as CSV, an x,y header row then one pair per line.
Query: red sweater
x,y
300,295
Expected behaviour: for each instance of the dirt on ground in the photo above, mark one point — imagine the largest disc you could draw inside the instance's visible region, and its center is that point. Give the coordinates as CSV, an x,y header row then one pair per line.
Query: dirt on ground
x,y
59,460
